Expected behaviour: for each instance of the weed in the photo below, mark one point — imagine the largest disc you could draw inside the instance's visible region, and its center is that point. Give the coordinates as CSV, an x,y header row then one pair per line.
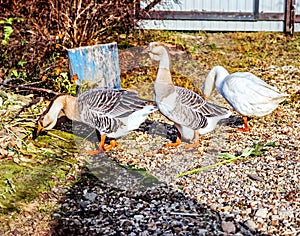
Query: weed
x,y
256,150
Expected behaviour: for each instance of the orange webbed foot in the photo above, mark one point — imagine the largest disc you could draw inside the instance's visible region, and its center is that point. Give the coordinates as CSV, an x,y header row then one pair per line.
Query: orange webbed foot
x,y
110,146
176,144
102,146
192,145
246,127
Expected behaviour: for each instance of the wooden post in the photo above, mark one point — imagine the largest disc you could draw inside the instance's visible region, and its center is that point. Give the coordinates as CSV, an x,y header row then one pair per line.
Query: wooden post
x,y
256,10
137,9
289,19
95,66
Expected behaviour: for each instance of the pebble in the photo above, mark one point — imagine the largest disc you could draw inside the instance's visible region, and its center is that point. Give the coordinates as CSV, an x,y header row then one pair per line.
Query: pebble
x,y
284,213
251,225
138,217
90,196
262,213
228,227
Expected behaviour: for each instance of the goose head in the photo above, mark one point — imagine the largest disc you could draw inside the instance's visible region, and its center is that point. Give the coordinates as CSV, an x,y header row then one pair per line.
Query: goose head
x,y
158,52
215,78
61,105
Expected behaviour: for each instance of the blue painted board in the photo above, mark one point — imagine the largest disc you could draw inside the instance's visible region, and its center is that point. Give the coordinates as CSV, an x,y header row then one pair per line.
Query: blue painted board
x,y
96,66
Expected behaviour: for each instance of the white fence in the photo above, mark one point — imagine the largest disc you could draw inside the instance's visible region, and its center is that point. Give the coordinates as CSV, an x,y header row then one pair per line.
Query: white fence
x,y
223,15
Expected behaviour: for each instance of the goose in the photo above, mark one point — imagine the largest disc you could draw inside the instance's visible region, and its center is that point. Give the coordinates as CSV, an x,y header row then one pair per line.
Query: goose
x,y
246,93
112,112
192,115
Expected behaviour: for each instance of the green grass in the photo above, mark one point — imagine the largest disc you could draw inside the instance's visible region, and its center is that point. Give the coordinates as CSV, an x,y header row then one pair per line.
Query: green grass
x,y
46,162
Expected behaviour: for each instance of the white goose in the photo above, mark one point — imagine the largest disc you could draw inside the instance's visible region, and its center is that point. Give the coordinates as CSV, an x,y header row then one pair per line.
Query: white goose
x,y
114,113
246,93
191,114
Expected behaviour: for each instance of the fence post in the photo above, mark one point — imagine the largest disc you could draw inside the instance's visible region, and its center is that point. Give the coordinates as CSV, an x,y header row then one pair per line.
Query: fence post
x,y
289,16
95,66
256,10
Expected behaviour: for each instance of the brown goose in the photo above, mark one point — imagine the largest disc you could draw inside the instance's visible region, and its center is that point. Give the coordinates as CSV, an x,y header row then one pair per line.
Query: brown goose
x,y
191,114
114,113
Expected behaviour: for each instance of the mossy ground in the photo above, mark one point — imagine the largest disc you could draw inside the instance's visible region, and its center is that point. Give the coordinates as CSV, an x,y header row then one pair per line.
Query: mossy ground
x,y
29,168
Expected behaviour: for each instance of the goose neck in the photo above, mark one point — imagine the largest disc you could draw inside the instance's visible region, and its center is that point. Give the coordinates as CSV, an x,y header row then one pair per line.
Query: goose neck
x,y
163,76
164,63
71,108
215,78
220,75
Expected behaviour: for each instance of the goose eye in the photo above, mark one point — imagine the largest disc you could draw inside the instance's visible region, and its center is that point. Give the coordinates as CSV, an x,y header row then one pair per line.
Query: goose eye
x,y
46,125
46,121
42,124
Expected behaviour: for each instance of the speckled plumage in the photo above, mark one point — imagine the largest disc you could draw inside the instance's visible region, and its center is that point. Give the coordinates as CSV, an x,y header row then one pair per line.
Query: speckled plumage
x,y
112,112
187,109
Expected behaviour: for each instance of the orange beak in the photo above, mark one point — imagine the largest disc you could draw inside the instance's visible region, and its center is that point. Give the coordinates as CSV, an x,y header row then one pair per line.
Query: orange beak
x,y
38,130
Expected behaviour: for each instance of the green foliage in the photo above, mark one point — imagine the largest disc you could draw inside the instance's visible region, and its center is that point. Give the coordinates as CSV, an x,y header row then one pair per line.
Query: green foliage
x,y
7,28
59,81
22,63
212,46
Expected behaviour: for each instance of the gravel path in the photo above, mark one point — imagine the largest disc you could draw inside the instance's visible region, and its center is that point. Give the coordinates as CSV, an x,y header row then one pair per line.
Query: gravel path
x,y
94,208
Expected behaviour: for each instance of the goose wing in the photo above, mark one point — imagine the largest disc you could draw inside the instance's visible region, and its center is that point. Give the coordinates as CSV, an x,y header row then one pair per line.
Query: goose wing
x,y
103,108
244,87
192,110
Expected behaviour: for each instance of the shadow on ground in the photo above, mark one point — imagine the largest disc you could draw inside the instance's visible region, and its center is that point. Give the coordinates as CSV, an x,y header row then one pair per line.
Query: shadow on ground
x,y
137,204
92,207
